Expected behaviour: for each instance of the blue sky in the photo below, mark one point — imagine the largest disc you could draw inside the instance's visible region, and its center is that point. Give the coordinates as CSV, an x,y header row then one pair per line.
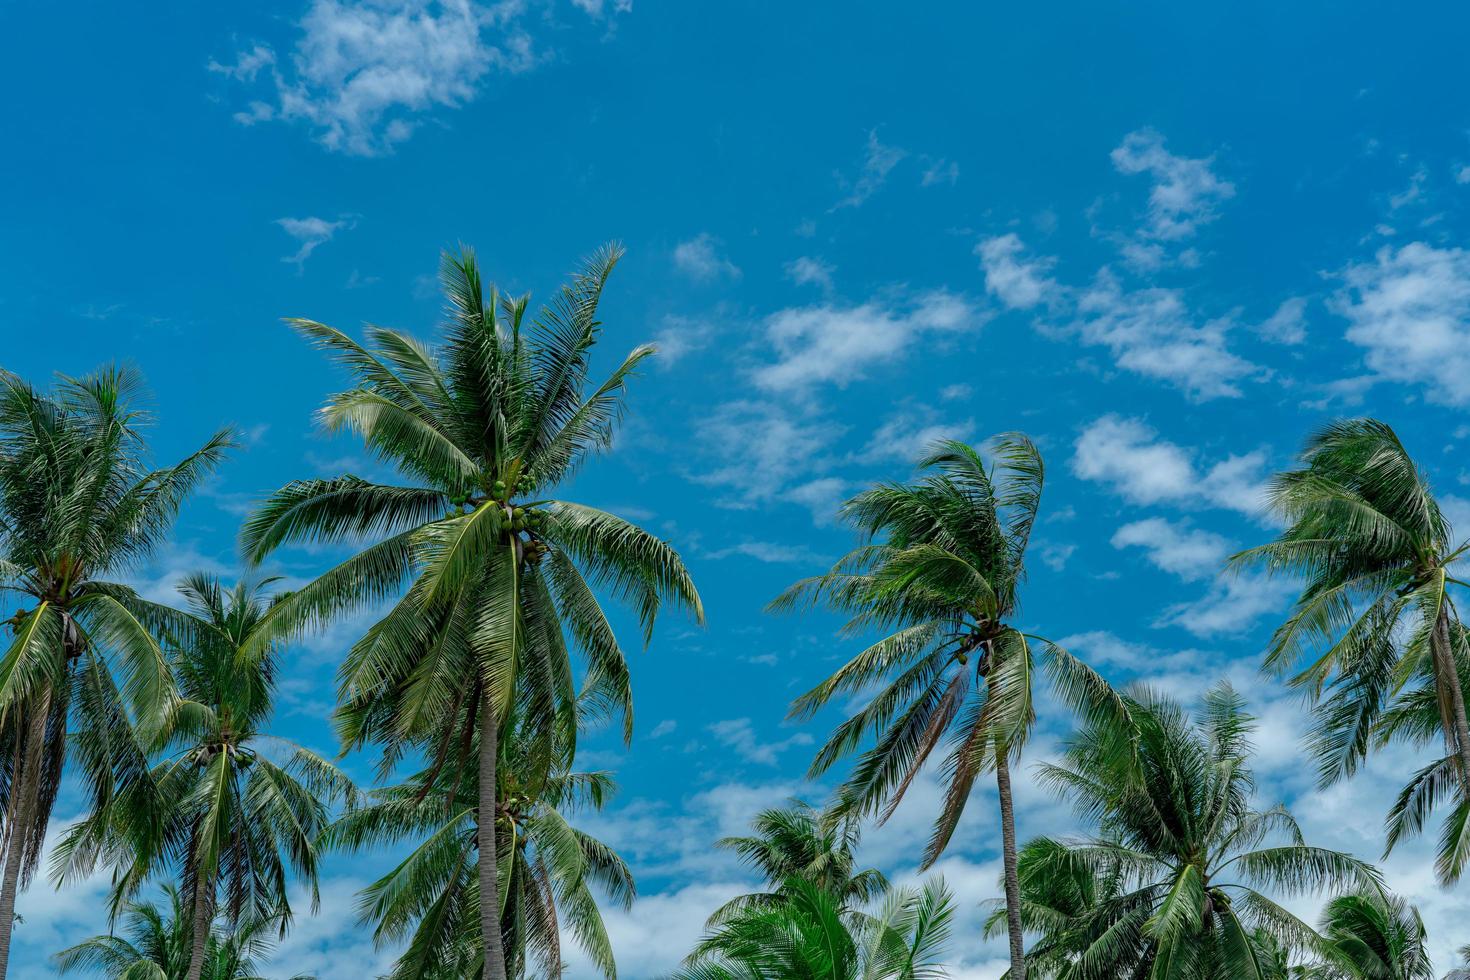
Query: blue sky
x,y
1166,240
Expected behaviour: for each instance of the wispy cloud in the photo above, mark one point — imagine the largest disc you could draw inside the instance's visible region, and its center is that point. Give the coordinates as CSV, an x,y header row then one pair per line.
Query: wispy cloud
x,y
878,163
363,74
1190,553
310,234
835,344
1185,190
1131,458
739,735
700,259
1409,309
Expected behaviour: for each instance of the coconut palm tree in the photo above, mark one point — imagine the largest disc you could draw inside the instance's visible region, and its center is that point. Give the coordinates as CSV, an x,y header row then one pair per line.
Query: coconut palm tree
x,y
1376,617
236,809
159,947
80,507
500,578
940,571
1174,882
1372,936
808,935
432,898
797,841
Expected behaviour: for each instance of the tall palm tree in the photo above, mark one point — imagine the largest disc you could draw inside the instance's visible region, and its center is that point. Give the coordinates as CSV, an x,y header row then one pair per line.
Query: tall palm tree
x,y
941,568
808,935
235,808
80,506
1376,614
432,897
1371,936
1174,882
500,578
159,947
797,841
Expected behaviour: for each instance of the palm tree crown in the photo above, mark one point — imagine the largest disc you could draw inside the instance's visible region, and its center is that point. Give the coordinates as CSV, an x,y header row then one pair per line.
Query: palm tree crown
x,y
500,578
158,947
1375,623
1174,883
80,506
797,842
552,869
234,809
942,569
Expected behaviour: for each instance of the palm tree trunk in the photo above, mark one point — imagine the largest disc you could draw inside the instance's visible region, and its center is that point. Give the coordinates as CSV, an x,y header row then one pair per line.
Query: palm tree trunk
x,y
203,917
24,792
1008,860
485,830
1448,671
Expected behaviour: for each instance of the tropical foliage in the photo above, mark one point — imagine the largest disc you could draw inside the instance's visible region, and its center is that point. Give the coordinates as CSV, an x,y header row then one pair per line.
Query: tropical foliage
x,y
940,571
159,946
808,935
799,843
1177,880
492,581
430,901
81,506
1375,627
490,657
232,809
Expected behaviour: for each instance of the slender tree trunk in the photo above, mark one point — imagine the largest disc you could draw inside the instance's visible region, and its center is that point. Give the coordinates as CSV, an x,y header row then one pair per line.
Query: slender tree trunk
x,y
203,917
24,791
1008,860
1448,670
485,817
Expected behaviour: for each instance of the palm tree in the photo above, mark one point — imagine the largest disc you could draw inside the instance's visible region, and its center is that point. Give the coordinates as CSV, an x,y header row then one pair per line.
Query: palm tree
x,y
1371,936
1173,883
227,815
797,841
1375,616
432,897
808,935
79,507
941,568
159,948
491,422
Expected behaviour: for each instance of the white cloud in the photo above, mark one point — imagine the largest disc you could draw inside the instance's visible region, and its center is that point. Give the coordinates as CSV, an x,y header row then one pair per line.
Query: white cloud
x,y
248,64
1190,553
1185,191
1231,606
940,171
1288,325
822,496
1409,308
699,258
1144,469
310,233
1412,193
833,343
679,337
772,552
908,434
364,72
763,449
1055,556
955,392
877,164
663,728
1152,332
809,271
739,735
597,8
1016,279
